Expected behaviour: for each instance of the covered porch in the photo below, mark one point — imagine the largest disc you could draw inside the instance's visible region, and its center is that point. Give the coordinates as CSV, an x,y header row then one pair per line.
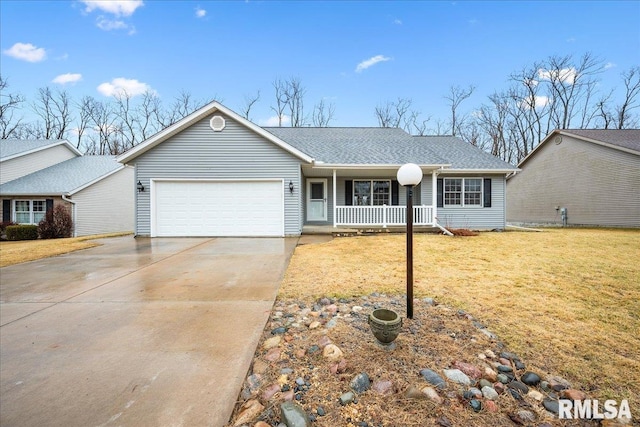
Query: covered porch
x,y
366,196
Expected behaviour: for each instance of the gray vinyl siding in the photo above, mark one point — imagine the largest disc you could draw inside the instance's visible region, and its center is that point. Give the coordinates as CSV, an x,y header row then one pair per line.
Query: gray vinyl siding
x,y
475,218
234,153
24,165
599,186
106,206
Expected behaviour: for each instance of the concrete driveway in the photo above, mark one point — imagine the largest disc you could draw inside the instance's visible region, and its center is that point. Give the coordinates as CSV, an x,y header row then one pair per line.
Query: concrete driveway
x,y
137,332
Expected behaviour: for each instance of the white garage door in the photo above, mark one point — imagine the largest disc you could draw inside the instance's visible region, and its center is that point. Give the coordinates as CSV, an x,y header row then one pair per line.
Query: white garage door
x,y
227,208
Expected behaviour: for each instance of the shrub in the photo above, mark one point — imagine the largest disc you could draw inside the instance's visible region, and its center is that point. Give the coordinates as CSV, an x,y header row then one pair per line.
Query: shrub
x,y
5,224
56,224
22,232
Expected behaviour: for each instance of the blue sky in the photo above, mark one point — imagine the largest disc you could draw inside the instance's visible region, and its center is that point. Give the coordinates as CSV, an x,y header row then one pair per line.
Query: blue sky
x,y
354,54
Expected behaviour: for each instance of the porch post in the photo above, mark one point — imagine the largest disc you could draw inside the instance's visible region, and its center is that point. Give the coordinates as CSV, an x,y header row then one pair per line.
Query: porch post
x,y
434,197
335,203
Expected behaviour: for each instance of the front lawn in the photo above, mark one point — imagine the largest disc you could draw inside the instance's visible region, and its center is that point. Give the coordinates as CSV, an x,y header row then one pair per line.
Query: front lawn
x,y
31,250
566,300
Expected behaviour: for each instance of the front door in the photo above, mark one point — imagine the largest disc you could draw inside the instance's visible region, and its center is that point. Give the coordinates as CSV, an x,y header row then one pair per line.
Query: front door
x,y
316,199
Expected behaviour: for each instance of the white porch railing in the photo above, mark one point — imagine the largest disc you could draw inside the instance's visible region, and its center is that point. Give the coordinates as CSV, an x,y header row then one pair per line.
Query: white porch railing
x,y
382,215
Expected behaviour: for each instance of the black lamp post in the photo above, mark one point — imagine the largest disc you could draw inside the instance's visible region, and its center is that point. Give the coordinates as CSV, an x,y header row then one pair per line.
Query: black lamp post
x,y
409,175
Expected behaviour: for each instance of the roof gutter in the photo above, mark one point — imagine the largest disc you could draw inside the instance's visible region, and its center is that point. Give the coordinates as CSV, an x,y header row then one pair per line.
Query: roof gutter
x,y
322,165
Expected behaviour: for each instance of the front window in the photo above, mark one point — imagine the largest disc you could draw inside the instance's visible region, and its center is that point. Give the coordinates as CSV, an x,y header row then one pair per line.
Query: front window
x,y
371,192
30,211
463,192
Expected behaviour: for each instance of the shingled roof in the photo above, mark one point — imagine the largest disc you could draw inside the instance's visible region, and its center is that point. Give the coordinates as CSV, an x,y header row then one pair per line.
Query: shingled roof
x,y
625,138
386,146
63,178
461,154
10,148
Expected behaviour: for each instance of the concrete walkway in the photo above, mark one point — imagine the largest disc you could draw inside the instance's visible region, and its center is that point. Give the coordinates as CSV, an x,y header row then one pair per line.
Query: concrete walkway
x,y
137,332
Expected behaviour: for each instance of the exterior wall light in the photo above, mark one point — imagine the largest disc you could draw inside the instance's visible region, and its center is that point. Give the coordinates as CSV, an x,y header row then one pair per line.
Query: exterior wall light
x,y
291,187
140,187
409,175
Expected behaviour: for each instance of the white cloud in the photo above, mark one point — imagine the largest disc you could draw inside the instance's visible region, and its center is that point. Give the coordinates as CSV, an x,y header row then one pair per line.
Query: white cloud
x,y
571,40
371,62
537,101
63,79
115,7
397,21
26,52
121,86
273,121
107,24
609,65
564,75
200,13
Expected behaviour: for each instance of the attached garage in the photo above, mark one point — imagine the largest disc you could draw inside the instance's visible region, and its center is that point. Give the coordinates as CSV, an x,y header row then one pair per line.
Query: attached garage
x,y
201,208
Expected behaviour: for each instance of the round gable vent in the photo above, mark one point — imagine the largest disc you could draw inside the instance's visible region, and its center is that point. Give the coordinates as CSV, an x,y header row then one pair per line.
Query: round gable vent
x,y
217,123
558,140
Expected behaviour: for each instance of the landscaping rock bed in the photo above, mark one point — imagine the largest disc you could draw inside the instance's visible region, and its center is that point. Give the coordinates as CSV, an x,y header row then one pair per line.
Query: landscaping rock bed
x,y
318,364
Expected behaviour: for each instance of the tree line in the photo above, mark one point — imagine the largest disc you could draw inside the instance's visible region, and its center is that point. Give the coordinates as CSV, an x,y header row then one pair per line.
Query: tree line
x,y
560,92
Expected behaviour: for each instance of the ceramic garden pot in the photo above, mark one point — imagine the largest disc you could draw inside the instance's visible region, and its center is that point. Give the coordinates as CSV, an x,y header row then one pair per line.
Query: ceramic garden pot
x,y
385,326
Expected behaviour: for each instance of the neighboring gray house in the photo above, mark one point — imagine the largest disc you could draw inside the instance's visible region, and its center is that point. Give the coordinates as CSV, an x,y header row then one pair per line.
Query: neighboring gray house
x,y
98,191
20,157
215,173
579,177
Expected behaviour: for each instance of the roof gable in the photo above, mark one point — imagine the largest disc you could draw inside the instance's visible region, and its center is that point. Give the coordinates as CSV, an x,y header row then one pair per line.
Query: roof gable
x,y
66,177
195,117
13,148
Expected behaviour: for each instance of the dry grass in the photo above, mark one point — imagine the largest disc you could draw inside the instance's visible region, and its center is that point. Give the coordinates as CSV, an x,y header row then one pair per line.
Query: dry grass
x,y
31,250
566,300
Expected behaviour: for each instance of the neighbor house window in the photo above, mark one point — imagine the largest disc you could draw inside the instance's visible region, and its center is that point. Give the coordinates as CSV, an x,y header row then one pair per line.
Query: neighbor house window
x,y
371,192
463,192
29,211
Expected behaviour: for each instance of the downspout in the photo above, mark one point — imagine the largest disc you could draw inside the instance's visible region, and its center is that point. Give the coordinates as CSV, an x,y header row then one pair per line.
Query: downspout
x,y
73,212
434,196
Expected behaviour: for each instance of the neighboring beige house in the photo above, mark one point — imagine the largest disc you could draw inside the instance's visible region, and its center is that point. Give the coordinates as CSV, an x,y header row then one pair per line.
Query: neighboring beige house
x,y
20,157
579,178
98,191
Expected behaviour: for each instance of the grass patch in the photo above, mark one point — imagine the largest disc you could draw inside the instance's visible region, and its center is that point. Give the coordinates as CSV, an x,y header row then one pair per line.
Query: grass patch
x,y
566,300
31,250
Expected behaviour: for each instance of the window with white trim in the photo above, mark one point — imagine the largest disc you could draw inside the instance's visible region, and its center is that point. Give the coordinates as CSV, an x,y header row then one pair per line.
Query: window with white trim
x,y
29,211
463,192
371,192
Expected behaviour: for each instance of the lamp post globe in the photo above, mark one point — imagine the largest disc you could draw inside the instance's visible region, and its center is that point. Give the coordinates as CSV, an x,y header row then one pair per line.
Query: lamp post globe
x,y
409,174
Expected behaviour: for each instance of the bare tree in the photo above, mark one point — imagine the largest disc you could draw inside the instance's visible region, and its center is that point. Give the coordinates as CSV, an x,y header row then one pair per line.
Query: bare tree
x,y
84,117
294,93
323,113
54,110
570,86
148,111
282,100
9,104
249,101
183,105
631,81
392,114
105,136
416,125
455,97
